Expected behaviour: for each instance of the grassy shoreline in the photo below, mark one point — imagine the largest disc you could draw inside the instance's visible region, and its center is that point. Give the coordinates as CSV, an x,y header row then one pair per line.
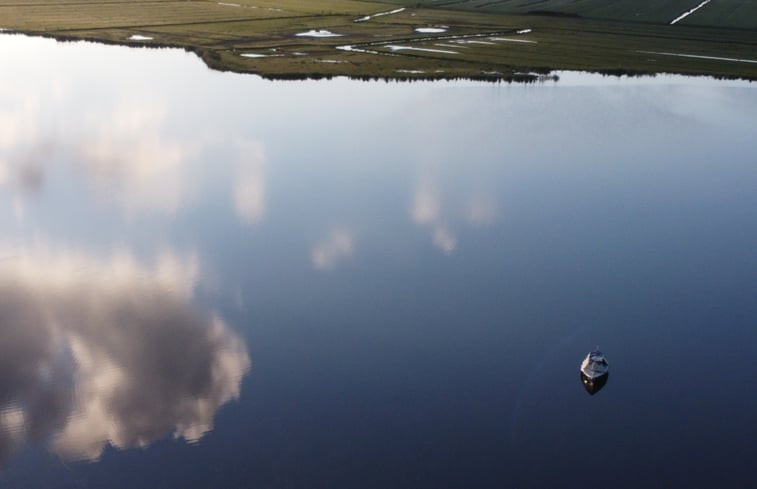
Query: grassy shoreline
x,y
265,37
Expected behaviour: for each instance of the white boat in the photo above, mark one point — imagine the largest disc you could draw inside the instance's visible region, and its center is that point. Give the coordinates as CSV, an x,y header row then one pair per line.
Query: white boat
x,y
594,371
594,365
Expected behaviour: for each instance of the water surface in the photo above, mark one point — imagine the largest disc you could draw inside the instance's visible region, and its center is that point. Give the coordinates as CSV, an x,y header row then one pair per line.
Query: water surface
x,y
212,280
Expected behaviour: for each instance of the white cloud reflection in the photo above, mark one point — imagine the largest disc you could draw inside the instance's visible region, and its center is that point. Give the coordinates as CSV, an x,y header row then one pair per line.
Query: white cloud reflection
x,y
444,239
427,211
97,352
250,183
128,138
329,251
426,205
130,157
481,210
25,142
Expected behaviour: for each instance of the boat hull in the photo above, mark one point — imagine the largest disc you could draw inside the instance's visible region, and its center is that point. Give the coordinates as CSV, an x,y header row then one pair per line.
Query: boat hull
x,y
595,384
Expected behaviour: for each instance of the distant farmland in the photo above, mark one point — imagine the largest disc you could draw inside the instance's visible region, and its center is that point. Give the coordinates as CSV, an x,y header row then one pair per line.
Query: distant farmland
x,y
717,13
512,39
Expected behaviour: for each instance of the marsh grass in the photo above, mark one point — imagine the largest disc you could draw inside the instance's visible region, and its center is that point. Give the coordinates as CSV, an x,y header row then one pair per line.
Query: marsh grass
x,y
220,34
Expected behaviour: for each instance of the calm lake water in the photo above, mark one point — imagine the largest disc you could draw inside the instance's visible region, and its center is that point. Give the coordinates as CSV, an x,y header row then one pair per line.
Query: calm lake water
x,y
212,280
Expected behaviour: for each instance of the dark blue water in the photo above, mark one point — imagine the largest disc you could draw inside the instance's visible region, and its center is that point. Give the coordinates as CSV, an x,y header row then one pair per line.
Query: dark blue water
x,y
210,280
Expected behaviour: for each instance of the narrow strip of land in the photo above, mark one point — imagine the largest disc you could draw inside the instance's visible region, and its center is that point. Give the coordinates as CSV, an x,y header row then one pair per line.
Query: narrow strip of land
x,y
379,39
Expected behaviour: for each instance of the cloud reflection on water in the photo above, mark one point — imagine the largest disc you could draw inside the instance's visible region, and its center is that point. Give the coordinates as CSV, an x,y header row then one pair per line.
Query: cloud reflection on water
x,y
131,156
338,245
97,352
250,183
429,211
481,210
426,211
125,138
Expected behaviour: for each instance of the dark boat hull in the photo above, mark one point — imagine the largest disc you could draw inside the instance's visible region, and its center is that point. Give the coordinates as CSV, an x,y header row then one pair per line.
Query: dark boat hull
x,y
594,385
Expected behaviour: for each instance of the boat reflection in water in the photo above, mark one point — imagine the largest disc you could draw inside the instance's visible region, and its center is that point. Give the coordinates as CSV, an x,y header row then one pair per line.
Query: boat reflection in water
x,y
594,372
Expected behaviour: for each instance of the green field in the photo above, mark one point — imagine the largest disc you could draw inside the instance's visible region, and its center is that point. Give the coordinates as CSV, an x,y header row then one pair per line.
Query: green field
x,y
717,13
480,39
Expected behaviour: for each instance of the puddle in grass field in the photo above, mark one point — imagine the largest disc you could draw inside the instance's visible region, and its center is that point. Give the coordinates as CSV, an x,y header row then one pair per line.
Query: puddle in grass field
x,y
259,55
138,37
352,49
459,41
380,14
689,12
508,39
430,30
393,48
318,33
699,56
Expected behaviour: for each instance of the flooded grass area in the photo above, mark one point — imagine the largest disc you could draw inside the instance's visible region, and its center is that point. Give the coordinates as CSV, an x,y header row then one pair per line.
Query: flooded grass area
x,y
501,40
